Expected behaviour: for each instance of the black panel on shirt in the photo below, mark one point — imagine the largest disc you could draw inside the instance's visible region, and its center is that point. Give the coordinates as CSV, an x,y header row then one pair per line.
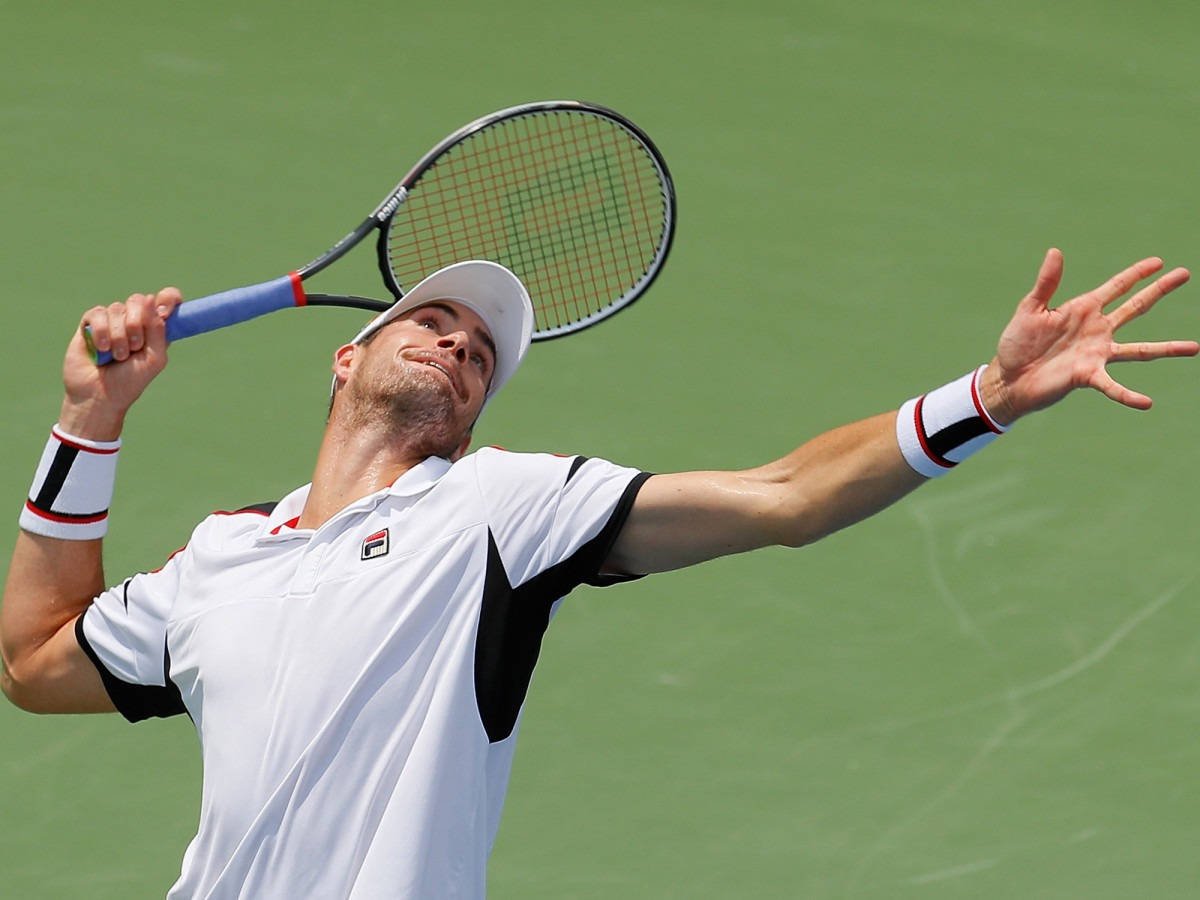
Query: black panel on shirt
x,y
575,464
265,508
513,620
135,701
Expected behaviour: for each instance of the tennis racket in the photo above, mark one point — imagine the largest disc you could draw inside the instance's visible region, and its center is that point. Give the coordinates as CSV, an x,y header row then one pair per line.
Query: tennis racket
x,y
572,197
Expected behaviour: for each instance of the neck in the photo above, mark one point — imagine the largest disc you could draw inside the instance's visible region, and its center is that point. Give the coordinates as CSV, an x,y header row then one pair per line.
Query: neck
x,y
351,464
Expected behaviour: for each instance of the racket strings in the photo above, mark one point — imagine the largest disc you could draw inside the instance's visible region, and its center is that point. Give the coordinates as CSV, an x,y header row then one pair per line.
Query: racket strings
x,y
571,201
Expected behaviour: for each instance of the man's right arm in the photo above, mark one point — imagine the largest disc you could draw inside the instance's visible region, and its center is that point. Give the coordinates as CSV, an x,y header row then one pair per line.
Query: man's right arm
x,y
52,579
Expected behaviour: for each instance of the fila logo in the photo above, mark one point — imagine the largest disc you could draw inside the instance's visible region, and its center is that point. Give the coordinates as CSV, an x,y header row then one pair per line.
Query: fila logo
x,y
375,545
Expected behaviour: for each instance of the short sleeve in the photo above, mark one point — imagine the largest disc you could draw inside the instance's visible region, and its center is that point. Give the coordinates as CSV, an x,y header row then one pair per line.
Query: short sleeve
x,y
124,633
550,512
552,522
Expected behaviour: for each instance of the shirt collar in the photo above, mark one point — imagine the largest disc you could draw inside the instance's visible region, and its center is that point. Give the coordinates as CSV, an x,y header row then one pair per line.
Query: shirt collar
x,y
417,480
284,512
420,477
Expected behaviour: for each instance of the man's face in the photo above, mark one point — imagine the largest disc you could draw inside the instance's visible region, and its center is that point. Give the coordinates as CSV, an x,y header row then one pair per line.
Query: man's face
x,y
430,369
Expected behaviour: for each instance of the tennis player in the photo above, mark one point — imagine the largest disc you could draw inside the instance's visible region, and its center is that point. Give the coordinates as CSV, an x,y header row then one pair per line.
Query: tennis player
x,y
356,656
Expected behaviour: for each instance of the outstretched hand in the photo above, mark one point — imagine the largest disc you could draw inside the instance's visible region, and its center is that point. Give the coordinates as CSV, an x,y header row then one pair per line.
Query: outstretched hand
x,y
1045,353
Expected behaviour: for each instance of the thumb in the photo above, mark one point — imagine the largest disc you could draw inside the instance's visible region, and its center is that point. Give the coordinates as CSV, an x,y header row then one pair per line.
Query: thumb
x,y
166,300
1048,278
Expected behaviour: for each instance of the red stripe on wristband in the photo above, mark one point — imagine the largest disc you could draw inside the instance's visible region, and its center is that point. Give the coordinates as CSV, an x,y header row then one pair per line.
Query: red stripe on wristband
x,y
934,458
66,520
979,408
99,451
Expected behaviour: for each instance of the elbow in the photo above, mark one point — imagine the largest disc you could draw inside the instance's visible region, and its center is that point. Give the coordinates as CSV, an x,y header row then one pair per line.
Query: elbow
x,y
797,536
10,682
794,526
14,690
20,691
788,515
785,530
804,521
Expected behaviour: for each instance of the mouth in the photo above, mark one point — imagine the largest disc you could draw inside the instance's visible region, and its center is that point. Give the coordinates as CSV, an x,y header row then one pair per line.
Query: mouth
x,y
451,376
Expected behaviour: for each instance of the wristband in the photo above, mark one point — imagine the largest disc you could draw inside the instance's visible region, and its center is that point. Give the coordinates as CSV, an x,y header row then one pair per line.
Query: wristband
x,y
72,489
940,429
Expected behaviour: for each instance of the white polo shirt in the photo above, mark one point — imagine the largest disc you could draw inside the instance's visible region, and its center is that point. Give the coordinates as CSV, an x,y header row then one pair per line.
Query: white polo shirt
x,y
357,688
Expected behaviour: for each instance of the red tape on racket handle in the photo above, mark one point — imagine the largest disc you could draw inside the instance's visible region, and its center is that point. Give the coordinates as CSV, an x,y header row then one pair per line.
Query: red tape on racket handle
x,y
219,310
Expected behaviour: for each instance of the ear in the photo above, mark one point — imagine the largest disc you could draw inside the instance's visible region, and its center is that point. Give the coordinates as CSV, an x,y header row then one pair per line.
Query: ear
x,y
343,359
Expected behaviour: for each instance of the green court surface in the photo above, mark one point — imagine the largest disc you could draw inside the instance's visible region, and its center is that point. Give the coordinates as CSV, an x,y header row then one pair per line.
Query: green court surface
x,y
991,690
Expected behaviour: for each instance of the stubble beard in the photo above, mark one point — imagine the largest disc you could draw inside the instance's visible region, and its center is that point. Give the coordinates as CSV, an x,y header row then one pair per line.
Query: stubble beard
x,y
418,408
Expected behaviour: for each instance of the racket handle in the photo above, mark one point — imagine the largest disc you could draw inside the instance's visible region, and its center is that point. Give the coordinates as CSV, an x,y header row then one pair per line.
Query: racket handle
x,y
219,310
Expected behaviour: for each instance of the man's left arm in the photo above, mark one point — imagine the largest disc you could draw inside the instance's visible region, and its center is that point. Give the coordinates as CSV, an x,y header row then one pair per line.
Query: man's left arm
x,y
852,472
53,579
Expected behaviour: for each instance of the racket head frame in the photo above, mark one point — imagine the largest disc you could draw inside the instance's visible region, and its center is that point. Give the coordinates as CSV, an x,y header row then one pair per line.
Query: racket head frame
x,y
384,214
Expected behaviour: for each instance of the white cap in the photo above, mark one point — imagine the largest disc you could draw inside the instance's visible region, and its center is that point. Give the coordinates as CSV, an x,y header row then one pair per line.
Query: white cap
x,y
493,292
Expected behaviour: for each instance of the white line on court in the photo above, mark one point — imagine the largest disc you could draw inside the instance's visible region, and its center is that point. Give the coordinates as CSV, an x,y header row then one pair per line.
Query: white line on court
x,y
955,872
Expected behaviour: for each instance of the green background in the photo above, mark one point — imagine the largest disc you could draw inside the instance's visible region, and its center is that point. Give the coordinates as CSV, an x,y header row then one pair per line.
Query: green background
x,y
988,691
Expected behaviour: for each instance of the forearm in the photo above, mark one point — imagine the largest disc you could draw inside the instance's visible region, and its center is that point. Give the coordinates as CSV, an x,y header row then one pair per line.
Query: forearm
x,y
56,566
834,480
851,473
56,571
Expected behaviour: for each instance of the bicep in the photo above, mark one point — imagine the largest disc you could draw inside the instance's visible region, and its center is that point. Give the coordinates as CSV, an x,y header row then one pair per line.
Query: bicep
x,y
681,519
57,677
50,582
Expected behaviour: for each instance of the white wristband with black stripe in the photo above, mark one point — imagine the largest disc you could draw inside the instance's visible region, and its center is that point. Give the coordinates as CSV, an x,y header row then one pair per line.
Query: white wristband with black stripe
x,y
72,489
938,430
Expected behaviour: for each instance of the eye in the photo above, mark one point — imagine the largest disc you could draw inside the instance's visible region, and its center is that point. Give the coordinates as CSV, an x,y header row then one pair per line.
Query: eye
x,y
479,362
427,323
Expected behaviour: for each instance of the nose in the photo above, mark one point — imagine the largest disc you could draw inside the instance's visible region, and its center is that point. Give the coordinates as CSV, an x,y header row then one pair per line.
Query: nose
x,y
456,342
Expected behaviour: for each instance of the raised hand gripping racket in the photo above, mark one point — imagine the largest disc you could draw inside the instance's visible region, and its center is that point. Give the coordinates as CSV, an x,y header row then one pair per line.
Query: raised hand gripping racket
x,y
572,197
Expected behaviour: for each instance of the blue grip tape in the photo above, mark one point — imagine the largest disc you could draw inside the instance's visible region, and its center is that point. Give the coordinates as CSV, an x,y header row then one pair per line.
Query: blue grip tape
x,y
219,310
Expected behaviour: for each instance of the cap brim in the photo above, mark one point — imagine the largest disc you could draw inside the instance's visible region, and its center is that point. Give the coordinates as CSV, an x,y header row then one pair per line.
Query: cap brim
x,y
489,289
